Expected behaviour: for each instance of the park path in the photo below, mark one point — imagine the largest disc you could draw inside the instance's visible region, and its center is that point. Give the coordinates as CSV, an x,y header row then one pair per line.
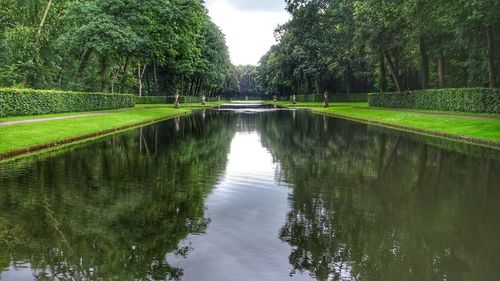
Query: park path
x,y
30,121
458,115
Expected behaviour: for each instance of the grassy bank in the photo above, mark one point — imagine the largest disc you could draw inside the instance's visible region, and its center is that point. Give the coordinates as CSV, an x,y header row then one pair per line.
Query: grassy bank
x,y
24,138
474,128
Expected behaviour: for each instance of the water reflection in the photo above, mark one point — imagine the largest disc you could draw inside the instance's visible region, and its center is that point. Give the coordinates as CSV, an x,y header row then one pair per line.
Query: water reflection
x,y
372,204
246,210
112,209
259,196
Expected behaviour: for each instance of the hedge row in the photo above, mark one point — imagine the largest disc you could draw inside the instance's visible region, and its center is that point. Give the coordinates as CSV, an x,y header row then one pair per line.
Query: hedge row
x,y
170,99
195,99
480,100
150,99
334,98
19,102
358,97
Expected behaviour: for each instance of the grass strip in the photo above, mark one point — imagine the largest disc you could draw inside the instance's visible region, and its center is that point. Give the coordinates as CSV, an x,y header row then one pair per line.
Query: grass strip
x,y
458,127
139,106
20,139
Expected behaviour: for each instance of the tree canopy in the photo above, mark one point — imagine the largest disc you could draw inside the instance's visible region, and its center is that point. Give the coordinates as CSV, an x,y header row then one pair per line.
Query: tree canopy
x,y
145,47
343,46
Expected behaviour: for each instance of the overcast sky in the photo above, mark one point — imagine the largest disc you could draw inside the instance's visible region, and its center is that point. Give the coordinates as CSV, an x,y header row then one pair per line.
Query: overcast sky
x,y
248,25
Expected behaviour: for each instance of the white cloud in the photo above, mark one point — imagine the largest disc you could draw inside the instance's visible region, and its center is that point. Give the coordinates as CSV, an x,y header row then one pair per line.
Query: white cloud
x,y
249,32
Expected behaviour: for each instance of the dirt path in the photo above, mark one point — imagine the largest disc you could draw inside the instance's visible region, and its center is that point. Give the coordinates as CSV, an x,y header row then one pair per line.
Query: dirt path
x,y
12,123
458,115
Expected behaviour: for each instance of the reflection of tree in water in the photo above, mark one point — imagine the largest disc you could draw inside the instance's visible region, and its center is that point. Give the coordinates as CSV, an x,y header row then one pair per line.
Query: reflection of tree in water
x,y
115,208
379,206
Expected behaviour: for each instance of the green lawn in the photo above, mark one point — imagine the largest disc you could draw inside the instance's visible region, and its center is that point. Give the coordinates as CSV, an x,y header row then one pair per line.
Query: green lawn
x,y
140,106
455,126
26,136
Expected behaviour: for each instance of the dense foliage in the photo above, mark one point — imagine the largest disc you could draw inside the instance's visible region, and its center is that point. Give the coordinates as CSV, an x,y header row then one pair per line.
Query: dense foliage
x,y
17,102
148,47
150,100
343,46
467,100
334,98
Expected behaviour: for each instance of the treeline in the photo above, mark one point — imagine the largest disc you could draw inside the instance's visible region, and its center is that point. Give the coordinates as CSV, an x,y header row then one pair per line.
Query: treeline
x,y
148,47
343,46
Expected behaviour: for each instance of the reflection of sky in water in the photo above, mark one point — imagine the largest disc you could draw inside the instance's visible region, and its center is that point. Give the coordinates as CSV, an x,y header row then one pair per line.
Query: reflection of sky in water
x,y
17,273
249,195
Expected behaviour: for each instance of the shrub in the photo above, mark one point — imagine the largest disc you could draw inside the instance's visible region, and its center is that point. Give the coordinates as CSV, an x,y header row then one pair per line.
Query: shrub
x,y
150,99
18,102
481,100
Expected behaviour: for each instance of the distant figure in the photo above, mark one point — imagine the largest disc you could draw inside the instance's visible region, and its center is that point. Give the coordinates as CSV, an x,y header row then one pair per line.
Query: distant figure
x,y
325,102
294,99
203,99
176,100
275,99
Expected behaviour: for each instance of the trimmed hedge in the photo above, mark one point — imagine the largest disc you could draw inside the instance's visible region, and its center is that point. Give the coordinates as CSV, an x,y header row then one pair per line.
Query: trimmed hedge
x,y
171,99
150,99
195,99
19,102
356,97
481,100
353,97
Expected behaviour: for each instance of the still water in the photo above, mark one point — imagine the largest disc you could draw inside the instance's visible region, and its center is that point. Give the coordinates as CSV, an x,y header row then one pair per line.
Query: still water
x,y
275,195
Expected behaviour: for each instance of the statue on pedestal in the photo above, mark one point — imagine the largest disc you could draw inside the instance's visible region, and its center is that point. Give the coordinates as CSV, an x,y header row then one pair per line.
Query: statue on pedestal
x,y
176,100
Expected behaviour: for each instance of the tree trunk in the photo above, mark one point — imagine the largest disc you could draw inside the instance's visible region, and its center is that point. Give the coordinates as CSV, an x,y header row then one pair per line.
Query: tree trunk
x,y
124,75
316,85
44,18
394,73
440,66
191,86
83,64
491,56
308,85
114,77
348,84
39,32
104,64
424,64
198,87
383,75
155,77
182,85
140,74
466,76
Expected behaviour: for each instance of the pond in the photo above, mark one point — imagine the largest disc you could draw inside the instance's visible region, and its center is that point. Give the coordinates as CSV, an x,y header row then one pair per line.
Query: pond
x,y
253,195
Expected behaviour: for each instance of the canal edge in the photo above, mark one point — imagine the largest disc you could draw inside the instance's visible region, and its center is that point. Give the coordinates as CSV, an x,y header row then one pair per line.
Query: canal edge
x,y
53,146
451,137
